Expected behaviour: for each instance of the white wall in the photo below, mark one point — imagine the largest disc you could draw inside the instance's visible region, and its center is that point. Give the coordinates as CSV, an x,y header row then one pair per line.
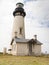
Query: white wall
x,y
17,24
22,49
36,49
14,48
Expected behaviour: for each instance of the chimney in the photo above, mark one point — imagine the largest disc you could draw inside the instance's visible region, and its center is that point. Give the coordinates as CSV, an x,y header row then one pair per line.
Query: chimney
x,y
35,37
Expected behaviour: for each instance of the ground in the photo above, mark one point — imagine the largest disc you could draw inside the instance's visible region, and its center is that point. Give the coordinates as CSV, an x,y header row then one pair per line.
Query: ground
x,y
23,60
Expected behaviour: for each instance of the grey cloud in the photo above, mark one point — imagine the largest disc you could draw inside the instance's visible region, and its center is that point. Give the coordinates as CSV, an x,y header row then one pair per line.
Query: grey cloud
x,y
28,0
44,23
39,11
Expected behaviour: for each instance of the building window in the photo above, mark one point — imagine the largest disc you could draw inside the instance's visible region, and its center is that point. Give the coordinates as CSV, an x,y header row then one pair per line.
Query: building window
x,y
18,13
20,30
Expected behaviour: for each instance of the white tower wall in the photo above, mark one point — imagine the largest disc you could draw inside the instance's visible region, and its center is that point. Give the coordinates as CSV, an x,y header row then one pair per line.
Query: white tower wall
x,y
18,23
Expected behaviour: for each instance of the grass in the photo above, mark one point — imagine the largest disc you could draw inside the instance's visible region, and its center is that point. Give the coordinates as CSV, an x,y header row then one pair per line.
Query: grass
x,y
23,60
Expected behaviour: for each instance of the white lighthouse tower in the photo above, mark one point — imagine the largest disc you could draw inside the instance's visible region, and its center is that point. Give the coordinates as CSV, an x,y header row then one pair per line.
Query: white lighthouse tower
x,y
18,25
20,45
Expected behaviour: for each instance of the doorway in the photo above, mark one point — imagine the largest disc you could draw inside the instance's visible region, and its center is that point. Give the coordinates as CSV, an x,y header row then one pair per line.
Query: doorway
x,y
30,48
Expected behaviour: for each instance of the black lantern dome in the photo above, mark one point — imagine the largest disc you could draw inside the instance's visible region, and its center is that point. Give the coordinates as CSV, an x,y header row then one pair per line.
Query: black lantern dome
x,y
19,10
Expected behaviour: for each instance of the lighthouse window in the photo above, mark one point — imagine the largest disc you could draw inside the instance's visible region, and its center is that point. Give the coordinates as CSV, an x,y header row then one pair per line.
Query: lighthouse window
x,y
20,30
18,13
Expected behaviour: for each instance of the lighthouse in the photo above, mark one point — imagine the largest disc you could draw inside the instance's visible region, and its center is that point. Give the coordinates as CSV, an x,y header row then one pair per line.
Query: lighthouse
x,y
19,45
18,25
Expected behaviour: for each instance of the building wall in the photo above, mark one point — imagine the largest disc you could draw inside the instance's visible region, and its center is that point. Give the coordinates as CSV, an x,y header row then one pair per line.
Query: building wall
x,y
19,49
22,49
14,48
36,49
18,23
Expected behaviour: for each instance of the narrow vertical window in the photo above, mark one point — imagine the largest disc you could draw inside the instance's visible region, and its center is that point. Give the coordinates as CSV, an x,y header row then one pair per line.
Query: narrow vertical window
x,y
20,30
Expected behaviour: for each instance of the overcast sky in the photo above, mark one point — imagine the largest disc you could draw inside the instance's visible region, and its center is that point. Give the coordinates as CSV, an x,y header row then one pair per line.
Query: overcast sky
x,y
36,21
